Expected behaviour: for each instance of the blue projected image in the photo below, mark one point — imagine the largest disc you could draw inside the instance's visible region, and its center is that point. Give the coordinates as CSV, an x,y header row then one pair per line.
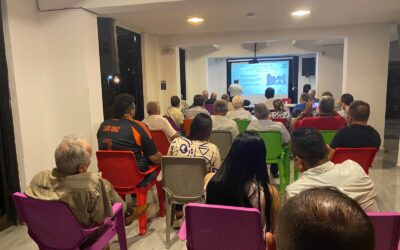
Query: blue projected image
x,y
255,78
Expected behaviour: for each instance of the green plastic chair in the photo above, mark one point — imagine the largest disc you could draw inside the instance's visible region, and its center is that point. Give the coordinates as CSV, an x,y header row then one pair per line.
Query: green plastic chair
x,y
328,135
242,125
277,153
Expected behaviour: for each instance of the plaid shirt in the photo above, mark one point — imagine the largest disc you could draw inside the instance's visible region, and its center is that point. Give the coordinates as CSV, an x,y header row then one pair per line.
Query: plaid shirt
x,y
192,112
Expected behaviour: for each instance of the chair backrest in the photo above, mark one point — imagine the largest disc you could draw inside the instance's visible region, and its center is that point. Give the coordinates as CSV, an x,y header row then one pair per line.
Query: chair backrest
x,y
161,141
363,156
183,177
173,124
273,143
328,135
242,124
284,121
120,168
223,140
387,230
287,100
50,223
324,122
210,108
186,126
223,227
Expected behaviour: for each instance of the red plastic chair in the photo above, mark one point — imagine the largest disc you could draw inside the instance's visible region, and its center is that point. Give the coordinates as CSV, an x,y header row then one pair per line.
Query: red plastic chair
x,y
287,100
186,126
52,225
363,156
120,168
161,141
387,229
284,121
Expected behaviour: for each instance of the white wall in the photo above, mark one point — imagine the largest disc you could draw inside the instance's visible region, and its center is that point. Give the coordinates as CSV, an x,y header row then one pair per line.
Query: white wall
x,y
54,73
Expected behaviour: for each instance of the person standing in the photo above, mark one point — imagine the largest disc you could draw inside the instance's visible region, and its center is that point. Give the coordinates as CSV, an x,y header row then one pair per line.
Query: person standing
x,y
235,89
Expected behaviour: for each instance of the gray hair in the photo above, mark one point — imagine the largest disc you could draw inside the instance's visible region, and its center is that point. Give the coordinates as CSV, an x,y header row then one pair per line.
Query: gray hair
x,y
220,106
260,111
326,104
237,102
71,153
152,107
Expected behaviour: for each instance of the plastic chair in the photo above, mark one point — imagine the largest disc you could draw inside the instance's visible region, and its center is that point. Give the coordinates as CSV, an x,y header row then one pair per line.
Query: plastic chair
x,y
210,108
328,135
277,153
186,126
52,225
121,170
223,140
363,156
222,227
183,182
161,141
387,230
242,124
173,124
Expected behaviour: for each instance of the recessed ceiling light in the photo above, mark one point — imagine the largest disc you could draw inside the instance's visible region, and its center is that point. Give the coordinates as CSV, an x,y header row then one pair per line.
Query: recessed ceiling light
x,y
195,20
301,13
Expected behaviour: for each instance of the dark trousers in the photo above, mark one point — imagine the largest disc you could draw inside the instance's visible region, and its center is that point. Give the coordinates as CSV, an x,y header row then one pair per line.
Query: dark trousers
x,y
274,168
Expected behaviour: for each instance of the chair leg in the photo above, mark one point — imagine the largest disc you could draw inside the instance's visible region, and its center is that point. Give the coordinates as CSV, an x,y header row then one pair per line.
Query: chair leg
x,y
168,204
141,200
160,193
121,230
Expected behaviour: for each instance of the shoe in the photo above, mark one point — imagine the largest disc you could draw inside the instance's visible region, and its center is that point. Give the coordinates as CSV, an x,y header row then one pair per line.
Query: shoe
x,y
133,213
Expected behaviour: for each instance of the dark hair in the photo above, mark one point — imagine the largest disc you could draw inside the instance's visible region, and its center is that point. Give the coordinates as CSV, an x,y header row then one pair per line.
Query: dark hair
x,y
306,88
309,145
201,127
327,93
269,93
123,104
243,167
359,111
198,100
236,81
326,104
305,97
246,103
175,101
347,99
324,218
278,104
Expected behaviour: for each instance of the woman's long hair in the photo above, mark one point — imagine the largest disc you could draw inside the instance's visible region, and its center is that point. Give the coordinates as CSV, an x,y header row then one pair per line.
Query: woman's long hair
x,y
201,127
243,167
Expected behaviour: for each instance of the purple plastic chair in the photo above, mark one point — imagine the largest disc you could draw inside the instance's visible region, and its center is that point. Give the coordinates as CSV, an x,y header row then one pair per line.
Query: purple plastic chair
x,y
222,227
175,126
210,108
52,225
387,230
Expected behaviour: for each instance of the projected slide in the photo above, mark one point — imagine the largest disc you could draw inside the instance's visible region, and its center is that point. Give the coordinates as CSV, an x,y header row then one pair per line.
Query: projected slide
x,y
255,78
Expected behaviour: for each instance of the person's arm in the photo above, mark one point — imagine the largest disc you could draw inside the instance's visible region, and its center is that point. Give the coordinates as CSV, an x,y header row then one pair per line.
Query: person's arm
x,y
285,134
156,158
275,206
306,113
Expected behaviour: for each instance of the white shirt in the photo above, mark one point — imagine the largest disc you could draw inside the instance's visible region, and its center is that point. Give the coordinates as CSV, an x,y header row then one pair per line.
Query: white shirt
x,y
235,89
348,177
240,114
220,122
270,103
268,125
157,122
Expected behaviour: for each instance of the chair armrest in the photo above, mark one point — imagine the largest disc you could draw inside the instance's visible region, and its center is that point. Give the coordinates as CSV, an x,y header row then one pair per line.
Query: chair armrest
x,y
151,169
117,207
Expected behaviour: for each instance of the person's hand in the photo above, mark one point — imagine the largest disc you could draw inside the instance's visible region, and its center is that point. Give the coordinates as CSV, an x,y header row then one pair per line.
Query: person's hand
x,y
309,109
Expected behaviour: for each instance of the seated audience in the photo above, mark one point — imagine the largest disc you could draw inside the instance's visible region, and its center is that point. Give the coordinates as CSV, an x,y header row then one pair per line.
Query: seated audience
x,y
219,120
238,112
196,108
327,93
310,153
184,105
311,95
358,134
197,144
298,108
345,102
322,218
306,88
89,197
213,98
269,94
204,94
243,181
124,133
175,112
326,118
226,98
280,112
155,121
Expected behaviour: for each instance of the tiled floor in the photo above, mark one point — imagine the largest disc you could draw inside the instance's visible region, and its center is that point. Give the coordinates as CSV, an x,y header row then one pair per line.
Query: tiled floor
x,y
385,174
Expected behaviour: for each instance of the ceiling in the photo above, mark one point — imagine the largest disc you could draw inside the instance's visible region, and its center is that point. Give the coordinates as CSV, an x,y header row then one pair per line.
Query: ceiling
x,y
169,16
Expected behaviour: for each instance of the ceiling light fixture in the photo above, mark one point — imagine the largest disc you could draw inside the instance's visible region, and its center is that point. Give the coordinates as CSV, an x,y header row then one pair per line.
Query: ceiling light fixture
x,y
195,20
301,13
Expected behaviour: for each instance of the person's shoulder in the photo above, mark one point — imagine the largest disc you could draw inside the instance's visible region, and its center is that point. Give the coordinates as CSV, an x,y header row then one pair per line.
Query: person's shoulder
x,y
350,166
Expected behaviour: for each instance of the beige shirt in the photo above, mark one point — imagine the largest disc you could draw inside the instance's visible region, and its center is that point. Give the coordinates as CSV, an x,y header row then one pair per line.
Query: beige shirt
x,y
348,177
157,122
176,115
270,103
268,125
89,197
240,114
222,123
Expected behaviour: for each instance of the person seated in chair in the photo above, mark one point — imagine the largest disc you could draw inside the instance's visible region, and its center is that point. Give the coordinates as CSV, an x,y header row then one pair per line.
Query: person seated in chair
x,y
269,94
280,112
219,120
304,99
238,112
310,154
124,133
345,101
89,197
156,122
358,134
175,112
322,218
213,98
196,108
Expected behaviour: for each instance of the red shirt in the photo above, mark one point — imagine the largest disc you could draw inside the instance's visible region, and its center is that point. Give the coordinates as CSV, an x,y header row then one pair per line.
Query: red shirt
x,y
321,122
